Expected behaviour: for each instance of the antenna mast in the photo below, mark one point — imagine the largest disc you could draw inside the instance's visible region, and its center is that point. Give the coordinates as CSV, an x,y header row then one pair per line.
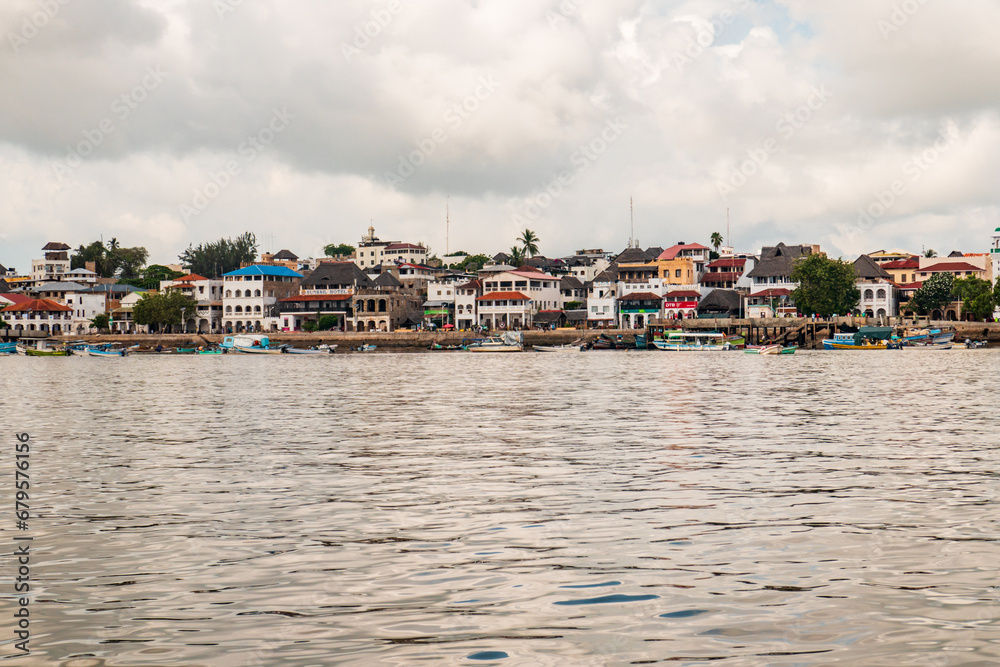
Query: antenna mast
x,y
447,226
631,215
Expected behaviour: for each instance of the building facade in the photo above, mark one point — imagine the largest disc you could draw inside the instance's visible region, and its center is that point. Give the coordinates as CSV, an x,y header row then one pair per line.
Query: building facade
x,y
250,300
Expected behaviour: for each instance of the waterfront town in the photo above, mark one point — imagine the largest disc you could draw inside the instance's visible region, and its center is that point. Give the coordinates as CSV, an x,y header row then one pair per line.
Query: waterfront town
x,y
388,285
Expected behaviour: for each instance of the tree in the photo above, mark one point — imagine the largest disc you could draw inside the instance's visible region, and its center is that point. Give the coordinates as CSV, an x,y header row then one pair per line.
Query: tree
x,y
101,322
529,242
976,296
328,322
479,261
826,286
157,309
573,305
935,293
716,241
110,260
222,256
516,256
335,249
152,275
930,252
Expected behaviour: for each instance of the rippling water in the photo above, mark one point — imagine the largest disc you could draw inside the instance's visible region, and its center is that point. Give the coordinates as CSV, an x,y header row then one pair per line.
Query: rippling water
x,y
607,508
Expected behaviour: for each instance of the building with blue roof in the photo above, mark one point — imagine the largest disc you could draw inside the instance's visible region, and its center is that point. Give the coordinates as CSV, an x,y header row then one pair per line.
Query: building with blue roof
x,y
251,294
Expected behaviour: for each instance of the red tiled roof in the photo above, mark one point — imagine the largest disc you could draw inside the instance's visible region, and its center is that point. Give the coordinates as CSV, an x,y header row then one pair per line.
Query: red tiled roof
x,y
947,267
728,262
773,292
910,263
14,298
472,284
400,246
671,253
721,277
37,306
190,278
641,296
910,286
317,297
683,294
511,296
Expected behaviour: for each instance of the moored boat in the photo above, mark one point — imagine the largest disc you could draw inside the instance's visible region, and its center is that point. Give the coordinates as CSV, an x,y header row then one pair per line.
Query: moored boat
x,y
575,346
510,341
687,341
8,348
866,338
107,352
321,349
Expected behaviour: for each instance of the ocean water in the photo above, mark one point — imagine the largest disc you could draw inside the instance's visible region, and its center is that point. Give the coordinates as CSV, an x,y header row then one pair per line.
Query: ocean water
x,y
605,508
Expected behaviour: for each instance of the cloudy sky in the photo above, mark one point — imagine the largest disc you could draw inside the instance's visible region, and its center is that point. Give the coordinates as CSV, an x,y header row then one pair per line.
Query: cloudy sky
x,y
855,124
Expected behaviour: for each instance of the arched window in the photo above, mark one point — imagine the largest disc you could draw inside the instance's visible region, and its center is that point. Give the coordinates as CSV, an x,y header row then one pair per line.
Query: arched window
x,y
256,292
256,309
869,295
360,306
371,305
239,309
238,294
229,309
381,305
881,294
229,293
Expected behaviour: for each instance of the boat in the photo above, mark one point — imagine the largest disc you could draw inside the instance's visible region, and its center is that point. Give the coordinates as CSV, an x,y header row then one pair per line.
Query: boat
x,y
8,348
320,349
575,346
46,352
641,342
366,347
866,338
764,349
736,342
687,341
217,350
259,349
108,352
438,347
971,345
185,350
509,341
244,340
603,342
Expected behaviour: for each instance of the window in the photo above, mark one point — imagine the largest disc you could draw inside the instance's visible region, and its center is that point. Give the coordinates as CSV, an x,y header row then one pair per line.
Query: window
x,y
238,294
677,273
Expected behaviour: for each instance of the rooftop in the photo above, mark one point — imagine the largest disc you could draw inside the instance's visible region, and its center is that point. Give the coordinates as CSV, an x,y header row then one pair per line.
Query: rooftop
x,y
264,270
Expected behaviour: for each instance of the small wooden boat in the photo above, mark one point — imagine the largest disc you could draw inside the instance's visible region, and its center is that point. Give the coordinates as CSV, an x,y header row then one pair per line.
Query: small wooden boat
x,y
510,341
438,347
185,350
256,349
321,349
866,338
686,341
8,348
215,350
575,346
641,342
107,352
46,352
366,347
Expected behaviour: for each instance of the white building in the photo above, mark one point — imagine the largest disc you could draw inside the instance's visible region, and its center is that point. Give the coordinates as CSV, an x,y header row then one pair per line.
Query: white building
x,y
995,256
250,300
602,301
879,295
121,319
466,311
54,266
505,310
542,289
207,294
86,306
373,252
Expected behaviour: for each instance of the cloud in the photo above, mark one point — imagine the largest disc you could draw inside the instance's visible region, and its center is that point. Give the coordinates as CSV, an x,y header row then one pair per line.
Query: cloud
x,y
702,84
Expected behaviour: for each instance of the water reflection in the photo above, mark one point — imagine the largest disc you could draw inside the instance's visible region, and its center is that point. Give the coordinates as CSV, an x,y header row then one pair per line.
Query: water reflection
x,y
607,508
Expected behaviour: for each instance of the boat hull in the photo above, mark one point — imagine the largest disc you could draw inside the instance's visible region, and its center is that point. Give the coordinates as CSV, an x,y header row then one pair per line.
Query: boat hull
x,y
106,353
258,350
680,347
47,353
558,348
833,345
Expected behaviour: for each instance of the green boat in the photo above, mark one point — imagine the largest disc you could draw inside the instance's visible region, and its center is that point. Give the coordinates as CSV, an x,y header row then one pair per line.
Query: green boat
x,y
32,352
211,351
186,350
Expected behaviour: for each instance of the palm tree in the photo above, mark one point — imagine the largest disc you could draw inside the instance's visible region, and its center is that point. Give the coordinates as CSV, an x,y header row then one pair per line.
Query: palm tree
x,y
529,240
930,252
716,240
516,256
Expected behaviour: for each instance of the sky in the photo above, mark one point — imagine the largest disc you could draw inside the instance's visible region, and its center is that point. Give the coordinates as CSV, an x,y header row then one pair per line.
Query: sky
x,y
857,124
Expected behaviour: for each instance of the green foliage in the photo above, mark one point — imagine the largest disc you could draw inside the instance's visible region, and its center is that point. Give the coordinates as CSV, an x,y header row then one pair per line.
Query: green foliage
x,y
158,309
101,322
529,243
826,286
976,295
516,256
309,326
213,259
716,240
151,276
936,292
334,249
111,260
573,305
930,252
478,260
328,322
